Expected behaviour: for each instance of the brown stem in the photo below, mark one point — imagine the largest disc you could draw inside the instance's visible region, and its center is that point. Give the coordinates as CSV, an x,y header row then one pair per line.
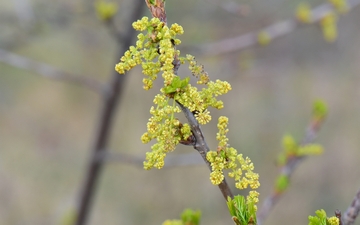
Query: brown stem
x,y
103,130
202,147
157,9
353,211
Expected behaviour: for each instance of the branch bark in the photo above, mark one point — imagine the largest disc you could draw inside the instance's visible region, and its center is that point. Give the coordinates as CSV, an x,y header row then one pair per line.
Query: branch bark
x,y
353,211
103,130
202,147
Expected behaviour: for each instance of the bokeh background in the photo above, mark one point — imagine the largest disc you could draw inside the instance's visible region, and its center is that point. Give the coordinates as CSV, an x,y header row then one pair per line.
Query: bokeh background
x,y
47,127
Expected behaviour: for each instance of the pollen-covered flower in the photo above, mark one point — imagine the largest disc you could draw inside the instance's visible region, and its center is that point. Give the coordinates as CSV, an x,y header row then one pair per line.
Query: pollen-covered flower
x,y
203,117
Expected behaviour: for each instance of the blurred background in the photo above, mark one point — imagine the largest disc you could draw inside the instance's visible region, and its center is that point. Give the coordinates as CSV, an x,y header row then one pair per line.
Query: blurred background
x,y
47,127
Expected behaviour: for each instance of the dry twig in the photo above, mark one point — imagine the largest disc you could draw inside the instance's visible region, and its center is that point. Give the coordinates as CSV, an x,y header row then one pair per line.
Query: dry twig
x,y
275,30
110,100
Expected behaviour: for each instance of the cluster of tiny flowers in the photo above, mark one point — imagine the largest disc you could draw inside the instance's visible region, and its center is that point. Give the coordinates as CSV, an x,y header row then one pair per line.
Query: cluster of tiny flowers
x,y
253,197
198,101
227,158
333,220
197,70
303,13
156,53
166,129
329,27
159,43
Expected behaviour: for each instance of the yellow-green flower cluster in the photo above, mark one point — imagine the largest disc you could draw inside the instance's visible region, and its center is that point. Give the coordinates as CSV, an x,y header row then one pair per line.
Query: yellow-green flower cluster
x,y
303,13
340,5
199,101
167,130
197,70
253,197
105,10
227,158
159,43
329,27
156,52
333,220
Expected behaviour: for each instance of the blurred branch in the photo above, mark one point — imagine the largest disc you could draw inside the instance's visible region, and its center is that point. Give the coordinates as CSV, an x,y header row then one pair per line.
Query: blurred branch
x,y
275,30
353,211
288,169
49,71
105,123
189,159
119,37
202,147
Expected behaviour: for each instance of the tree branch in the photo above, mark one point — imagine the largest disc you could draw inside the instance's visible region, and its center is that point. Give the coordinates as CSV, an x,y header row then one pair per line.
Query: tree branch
x,y
105,123
202,147
118,36
353,211
275,30
157,9
49,71
287,171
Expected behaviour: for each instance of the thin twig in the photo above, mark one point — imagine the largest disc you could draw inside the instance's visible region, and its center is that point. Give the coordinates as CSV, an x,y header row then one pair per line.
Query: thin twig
x,y
338,215
105,123
287,171
275,30
202,147
48,71
353,211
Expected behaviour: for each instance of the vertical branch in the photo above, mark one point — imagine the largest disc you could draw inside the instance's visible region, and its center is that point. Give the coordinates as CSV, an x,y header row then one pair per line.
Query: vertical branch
x,y
157,9
110,100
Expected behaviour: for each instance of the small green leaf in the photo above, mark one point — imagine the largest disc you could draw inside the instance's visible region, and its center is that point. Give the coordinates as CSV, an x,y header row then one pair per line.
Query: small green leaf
x,y
176,85
191,217
310,149
282,183
289,145
241,212
320,109
319,219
